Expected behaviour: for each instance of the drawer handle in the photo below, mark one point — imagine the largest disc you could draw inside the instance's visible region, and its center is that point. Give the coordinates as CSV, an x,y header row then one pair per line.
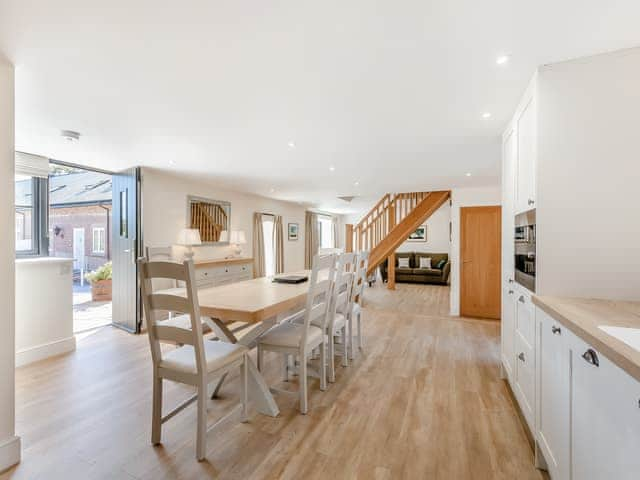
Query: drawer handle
x,y
591,357
510,292
531,202
521,357
556,330
511,280
521,299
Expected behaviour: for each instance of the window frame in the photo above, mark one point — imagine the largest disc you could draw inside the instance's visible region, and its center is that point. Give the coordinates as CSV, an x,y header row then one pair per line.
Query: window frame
x,y
102,239
39,219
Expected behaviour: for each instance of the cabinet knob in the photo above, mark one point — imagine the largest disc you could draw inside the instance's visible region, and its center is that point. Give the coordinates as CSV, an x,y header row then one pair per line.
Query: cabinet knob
x,y
591,357
556,330
511,280
521,357
521,299
510,292
531,202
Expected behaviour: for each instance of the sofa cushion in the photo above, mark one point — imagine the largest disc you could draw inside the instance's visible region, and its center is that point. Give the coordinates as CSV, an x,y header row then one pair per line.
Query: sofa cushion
x,y
435,257
431,272
408,255
423,262
404,262
441,264
404,270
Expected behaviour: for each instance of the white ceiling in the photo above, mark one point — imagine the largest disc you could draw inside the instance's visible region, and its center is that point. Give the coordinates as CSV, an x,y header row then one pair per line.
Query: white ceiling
x,y
390,93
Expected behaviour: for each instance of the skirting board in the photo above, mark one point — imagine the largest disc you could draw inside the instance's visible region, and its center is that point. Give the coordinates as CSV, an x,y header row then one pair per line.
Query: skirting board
x,y
9,453
40,352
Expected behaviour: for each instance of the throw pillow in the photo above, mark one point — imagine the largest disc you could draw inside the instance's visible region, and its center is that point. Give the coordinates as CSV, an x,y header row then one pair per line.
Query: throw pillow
x,y
441,264
403,262
425,262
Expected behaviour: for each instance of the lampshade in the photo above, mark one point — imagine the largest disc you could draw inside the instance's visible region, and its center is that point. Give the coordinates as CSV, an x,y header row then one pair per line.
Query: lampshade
x,y
238,237
189,236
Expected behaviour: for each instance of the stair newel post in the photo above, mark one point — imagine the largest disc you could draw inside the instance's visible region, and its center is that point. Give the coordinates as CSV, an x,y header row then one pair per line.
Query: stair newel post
x,y
391,261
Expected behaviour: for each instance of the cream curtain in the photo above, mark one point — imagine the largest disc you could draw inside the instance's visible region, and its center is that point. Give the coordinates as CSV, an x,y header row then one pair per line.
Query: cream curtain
x,y
334,226
311,240
258,246
278,243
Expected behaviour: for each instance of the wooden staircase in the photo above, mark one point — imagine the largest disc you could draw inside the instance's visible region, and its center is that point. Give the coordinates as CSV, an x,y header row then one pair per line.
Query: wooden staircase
x,y
390,222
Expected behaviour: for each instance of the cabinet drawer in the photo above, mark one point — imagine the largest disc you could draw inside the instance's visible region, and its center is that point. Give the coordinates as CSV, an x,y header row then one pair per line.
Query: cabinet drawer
x,y
525,378
525,316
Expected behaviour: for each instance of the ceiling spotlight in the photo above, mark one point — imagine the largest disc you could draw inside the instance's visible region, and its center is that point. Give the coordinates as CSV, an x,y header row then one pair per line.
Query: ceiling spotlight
x,y
332,168
172,162
70,135
356,184
291,145
502,59
272,190
486,115
468,174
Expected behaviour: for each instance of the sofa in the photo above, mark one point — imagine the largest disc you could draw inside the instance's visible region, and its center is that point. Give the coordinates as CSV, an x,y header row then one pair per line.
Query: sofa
x,y
414,274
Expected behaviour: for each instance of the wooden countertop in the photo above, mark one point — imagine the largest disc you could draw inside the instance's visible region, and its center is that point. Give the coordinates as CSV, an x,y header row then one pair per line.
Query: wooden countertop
x,y
222,261
583,316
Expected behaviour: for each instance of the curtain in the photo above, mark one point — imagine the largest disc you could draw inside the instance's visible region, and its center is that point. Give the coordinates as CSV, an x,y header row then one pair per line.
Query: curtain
x,y
311,240
334,227
258,246
278,243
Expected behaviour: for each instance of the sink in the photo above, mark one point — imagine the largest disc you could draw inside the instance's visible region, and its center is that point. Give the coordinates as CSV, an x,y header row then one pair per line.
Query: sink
x,y
630,336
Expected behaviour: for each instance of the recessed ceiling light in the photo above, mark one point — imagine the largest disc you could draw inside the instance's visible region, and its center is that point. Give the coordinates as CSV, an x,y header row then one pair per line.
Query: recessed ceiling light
x,y
70,135
486,115
502,59
332,168
272,190
468,174
291,145
356,184
172,162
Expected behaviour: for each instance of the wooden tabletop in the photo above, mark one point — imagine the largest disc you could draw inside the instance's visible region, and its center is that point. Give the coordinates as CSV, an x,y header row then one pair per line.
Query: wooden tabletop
x,y
584,316
250,301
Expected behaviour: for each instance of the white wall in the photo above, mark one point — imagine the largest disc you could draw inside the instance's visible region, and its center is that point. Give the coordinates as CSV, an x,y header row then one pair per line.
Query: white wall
x,y
165,210
44,309
437,234
9,442
465,197
588,194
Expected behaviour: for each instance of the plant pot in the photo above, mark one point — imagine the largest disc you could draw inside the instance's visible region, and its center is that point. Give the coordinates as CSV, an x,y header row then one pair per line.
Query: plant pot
x,y
101,291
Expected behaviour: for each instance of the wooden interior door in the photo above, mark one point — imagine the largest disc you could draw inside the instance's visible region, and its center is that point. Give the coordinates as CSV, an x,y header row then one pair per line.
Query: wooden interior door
x,y
480,257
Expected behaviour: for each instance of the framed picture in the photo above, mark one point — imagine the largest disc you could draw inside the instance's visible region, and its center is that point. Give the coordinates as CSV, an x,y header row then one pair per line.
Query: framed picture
x,y
420,235
293,231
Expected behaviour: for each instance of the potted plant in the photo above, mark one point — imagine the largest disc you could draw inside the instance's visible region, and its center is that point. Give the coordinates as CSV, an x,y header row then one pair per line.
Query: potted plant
x,y
100,280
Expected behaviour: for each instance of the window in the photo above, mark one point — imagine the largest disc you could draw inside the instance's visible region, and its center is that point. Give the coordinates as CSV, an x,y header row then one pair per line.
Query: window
x,y
269,245
98,240
30,215
325,224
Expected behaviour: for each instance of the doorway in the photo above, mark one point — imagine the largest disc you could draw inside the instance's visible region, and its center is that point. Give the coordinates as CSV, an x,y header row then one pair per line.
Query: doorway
x,y
480,258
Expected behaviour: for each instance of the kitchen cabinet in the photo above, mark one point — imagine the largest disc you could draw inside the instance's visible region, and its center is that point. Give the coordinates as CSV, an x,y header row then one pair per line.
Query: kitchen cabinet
x,y
508,331
605,418
524,384
215,273
554,394
526,157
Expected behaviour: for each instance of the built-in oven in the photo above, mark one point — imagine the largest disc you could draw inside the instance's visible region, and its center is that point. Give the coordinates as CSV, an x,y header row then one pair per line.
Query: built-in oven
x,y
525,249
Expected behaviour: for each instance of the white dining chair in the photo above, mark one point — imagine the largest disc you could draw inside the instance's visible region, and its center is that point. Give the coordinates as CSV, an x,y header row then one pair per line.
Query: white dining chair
x,y
357,301
196,362
299,340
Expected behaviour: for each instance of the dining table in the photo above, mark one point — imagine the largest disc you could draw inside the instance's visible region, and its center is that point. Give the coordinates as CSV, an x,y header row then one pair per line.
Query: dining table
x,y
258,304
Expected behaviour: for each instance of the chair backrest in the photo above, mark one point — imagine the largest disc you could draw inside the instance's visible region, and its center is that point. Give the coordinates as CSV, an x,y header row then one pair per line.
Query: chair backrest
x,y
319,296
163,302
362,264
164,254
342,296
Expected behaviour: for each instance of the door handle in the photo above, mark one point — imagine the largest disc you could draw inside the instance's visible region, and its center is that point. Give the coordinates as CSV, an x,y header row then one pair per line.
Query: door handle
x,y
556,330
521,357
591,357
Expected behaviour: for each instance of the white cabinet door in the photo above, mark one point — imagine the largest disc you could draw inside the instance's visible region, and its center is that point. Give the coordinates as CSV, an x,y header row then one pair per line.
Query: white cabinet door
x,y
526,165
554,394
525,315
508,330
525,384
605,418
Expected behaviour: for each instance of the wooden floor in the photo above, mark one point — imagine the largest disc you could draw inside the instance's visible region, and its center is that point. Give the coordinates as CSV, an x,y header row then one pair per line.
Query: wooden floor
x,y
424,402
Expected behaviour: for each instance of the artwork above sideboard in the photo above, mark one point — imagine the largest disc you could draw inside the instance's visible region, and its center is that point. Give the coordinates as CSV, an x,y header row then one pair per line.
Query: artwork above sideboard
x,y
209,217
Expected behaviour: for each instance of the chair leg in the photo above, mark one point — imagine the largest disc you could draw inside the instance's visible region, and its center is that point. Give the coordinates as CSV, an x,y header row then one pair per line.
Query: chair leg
x,y
285,367
156,417
303,385
201,440
360,340
345,347
244,389
260,358
352,353
331,359
323,366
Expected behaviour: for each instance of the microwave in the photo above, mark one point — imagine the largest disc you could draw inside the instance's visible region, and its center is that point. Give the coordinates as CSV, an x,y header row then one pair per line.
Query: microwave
x,y
525,250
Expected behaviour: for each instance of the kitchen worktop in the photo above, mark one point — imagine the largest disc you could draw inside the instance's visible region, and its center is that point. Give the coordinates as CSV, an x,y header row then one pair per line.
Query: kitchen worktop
x,y
612,327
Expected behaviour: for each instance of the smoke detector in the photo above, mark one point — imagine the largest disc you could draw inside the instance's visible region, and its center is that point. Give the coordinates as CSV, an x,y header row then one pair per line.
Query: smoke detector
x,y
347,199
70,135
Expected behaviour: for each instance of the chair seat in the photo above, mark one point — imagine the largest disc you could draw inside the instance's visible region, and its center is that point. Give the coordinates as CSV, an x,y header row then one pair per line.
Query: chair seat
x,y
183,322
217,354
339,322
289,334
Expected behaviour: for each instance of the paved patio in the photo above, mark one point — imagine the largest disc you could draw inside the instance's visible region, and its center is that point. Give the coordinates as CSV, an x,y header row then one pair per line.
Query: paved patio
x,y
88,315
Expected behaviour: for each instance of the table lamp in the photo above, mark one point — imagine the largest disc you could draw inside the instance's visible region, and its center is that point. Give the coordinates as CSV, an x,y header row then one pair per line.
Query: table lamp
x,y
189,237
237,238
